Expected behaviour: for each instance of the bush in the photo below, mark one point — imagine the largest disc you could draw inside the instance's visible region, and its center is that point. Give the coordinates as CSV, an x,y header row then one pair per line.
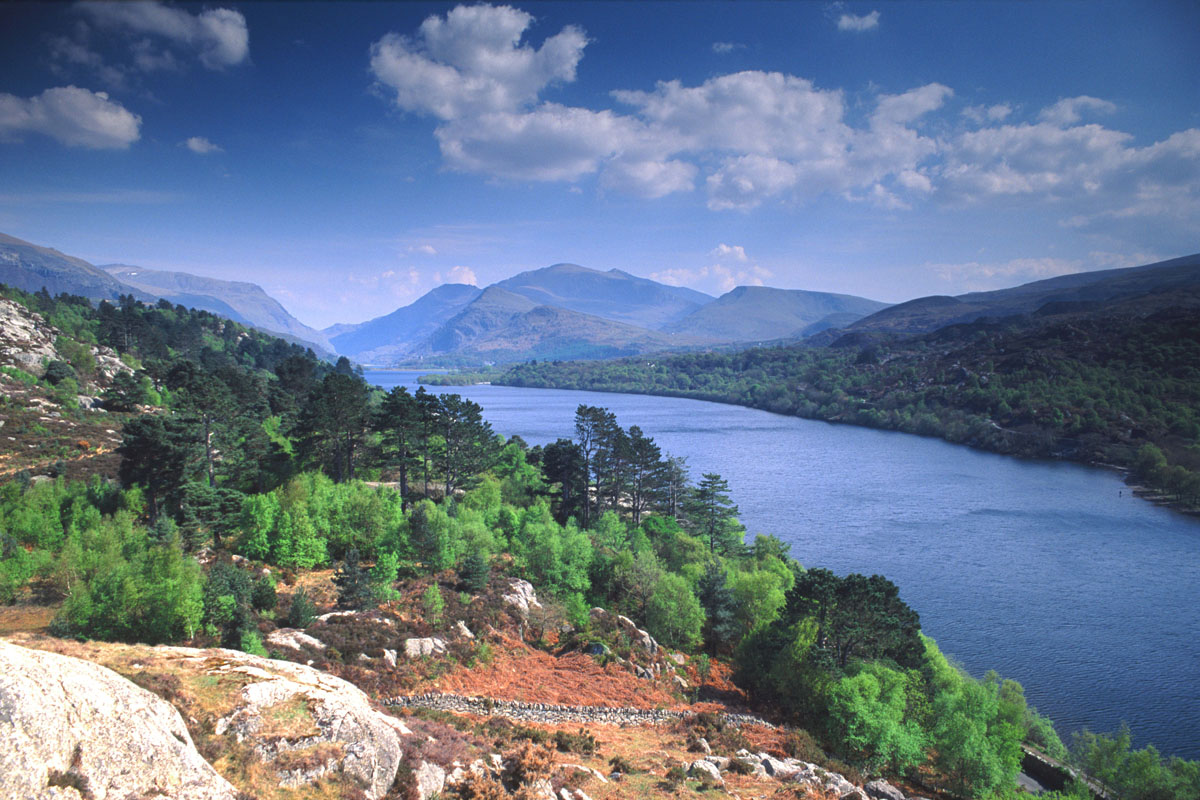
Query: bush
x,y
263,597
582,742
302,611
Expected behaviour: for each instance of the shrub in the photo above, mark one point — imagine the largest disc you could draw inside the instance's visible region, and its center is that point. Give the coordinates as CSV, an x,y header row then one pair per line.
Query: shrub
x,y
302,611
582,742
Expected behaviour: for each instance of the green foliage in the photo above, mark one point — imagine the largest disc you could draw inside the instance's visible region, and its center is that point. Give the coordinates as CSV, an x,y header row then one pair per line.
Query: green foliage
x,y
870,719
353,583
432,604
301,612
473,574
1127,774
674,615
976,746
19,375
383,576
263,596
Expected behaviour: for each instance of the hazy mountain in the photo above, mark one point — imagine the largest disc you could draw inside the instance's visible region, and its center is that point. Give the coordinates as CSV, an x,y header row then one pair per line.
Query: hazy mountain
x,y
386,339
761,313
242,302
503,326
30,267
1167,283
614,295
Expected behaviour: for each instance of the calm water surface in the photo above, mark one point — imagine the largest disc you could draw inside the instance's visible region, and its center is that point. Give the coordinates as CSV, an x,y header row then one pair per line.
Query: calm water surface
x,y
1051,574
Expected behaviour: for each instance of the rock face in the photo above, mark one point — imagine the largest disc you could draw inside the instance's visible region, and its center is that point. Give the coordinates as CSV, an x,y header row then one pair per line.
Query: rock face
x,y
882,790
636,635
73,729
430,645
331,726
522,596
25,338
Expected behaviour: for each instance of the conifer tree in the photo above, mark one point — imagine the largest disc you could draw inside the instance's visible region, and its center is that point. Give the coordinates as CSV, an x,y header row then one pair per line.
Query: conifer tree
x,y
353,582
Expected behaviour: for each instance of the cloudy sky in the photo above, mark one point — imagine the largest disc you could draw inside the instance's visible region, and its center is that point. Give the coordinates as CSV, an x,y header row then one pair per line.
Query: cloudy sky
x,y
350,157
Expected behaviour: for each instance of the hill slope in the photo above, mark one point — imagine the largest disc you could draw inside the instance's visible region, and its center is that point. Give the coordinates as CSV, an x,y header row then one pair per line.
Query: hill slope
x,y
384,339
30,267
1161,285
614,295
503,326
759,313
240,301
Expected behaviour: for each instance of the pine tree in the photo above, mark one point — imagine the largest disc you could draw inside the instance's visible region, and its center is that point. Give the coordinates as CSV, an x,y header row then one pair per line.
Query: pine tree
x,y
474,572
353,582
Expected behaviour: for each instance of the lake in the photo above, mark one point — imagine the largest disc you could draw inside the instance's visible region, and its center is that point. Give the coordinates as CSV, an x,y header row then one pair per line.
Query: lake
x,y
1052,574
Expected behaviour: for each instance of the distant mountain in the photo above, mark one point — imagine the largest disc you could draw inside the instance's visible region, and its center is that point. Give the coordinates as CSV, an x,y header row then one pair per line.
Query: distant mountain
x,y
1167,283
30,267
761,313
242,302
502,326
614,295
389,338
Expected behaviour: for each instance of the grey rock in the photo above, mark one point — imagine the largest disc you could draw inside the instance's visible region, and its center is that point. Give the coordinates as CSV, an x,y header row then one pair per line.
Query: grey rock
x,y
721,762
430,779
882,790
79,724
522,596
463,630
779,769
389,657
430,645
705,767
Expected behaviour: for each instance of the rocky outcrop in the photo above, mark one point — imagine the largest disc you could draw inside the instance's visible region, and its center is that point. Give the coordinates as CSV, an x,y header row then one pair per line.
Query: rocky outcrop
x,y
706,769
290,713
427,646
26,340
637,636
73,729
522,596
293,639
882,790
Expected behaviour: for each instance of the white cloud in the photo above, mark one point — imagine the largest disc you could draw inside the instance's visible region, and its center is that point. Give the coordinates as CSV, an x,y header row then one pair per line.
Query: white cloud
x,y
458,274
1070,110
721,48
727,252
423,249
218,36
76,117
731,268
472,61
857,24
982,114
755,137
201,146
980,276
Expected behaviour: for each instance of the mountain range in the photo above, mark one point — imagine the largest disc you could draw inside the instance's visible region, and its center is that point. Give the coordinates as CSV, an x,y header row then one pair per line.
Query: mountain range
x,y
567,311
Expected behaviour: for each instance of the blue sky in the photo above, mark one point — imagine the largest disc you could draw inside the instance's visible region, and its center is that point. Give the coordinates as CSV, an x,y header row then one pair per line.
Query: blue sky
x,y
350,157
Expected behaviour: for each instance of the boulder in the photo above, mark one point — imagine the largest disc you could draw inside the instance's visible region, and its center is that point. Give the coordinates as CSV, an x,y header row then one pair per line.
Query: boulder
x,y
780,769
73,729
294,639
463,630
882,790
706,768
595,773
430,645
332,722
389,657
430,779
522,596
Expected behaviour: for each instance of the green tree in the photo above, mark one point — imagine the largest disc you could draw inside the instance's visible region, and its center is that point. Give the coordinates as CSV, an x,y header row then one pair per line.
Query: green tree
x,y
383,576
713,515
334,422
399,420
301,612
157,452
353,583
473,575
868,713
673,614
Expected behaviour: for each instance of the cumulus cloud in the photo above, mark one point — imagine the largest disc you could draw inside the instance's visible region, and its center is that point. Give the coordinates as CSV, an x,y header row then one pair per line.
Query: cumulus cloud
x,y
857,24
982,114
754,137
721,48
1070,110
731,268
423,249
472,61
457,274
201,146
218,36
75,117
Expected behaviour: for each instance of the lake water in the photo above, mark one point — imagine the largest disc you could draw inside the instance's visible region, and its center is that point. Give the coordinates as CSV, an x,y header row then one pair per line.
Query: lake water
x,y
1051,574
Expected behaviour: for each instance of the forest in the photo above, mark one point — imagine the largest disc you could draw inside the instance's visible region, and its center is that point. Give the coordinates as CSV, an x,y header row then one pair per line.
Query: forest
x,y
239,450
1118,390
